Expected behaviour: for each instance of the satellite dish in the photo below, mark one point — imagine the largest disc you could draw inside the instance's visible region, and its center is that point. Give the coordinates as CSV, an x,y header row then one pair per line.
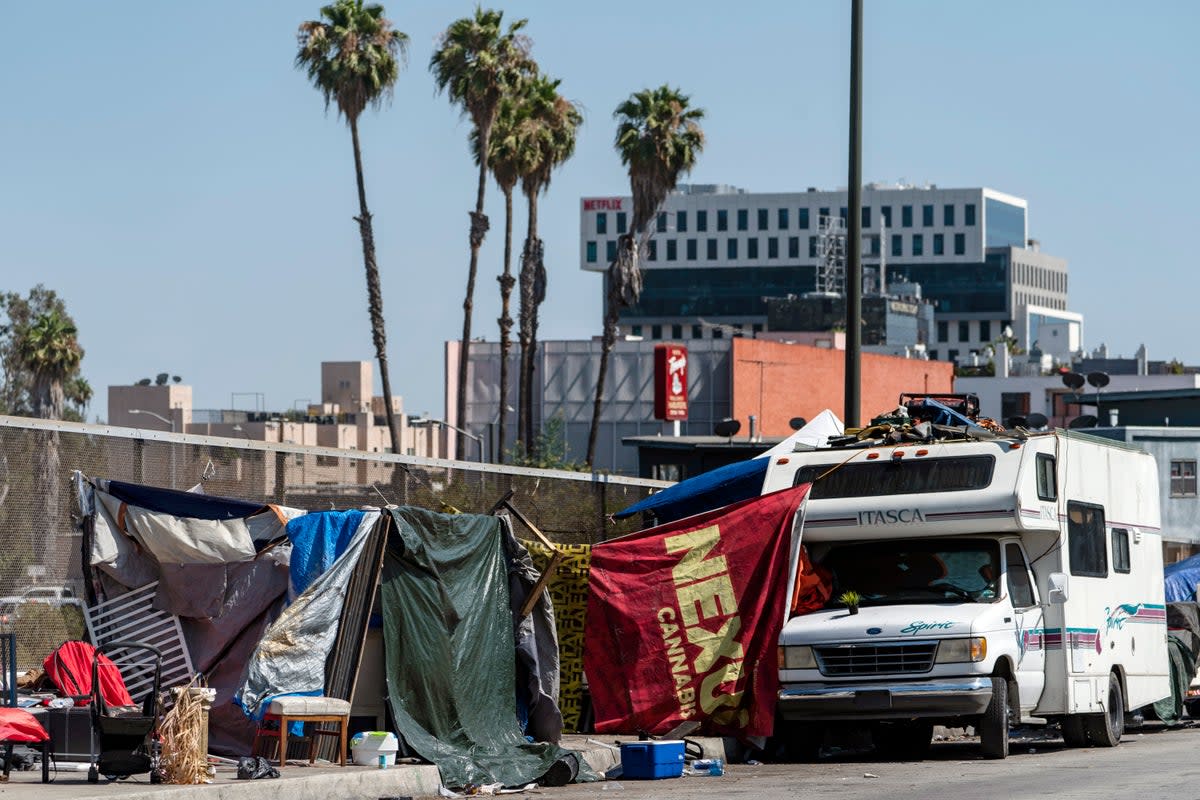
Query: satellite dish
x,y
796,423
1083,421
1072,380
727,427
1036,421
1098,379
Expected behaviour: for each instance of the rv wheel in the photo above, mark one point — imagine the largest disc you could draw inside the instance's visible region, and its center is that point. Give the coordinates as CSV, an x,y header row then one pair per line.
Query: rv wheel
x,y
1105,730
993,725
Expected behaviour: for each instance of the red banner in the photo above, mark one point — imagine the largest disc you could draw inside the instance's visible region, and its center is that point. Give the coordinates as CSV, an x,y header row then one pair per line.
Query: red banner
x,y
683,620
670,381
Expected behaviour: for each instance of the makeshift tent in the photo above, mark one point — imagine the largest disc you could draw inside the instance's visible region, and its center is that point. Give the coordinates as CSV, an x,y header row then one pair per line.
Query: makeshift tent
x,y
732,482
1181,579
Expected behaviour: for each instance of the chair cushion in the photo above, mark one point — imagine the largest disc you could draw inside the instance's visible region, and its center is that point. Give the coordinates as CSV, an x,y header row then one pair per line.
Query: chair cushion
x,y
299,706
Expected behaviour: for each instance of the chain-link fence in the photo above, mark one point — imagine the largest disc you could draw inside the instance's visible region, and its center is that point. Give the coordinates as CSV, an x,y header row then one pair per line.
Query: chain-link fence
x,y
41,569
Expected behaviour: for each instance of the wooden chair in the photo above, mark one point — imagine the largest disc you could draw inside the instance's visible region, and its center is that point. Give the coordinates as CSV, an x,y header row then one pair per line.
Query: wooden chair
x,y
317,710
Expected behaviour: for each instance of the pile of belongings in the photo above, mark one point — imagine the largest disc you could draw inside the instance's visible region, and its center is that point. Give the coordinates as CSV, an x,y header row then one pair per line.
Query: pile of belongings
x,y
923,418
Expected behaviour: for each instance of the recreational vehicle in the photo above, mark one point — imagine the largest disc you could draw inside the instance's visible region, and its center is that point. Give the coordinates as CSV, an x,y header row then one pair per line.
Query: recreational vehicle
x,y
1001,578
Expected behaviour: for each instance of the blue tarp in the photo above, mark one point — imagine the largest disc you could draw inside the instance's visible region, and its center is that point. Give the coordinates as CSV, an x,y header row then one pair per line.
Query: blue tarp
x,y
1181,579
317,541
704,492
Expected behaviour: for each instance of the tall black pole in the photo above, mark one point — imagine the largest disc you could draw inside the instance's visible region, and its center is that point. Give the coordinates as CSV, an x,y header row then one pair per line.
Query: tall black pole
x,y
854,232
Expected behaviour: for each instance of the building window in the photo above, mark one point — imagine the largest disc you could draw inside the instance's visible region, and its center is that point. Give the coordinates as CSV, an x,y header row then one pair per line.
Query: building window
x,y
752,248
874,245
964,331
886,213
743,219
697,332
960,244
821,212
1016,404
985,330
622,223
933,355
763,216
722,220
943,331
773,247
948,215
783,219
1183,478
711,249
691,249
844,214
718,333
601,223
702,221
812,247
897,244
681,221
1047,472
866,217
793,247
653,250
969,214
1087,549
610,251
731,249
656,331
906,216
672,249
1120,550
939,244
636,330
676,331
927,216
952,355
802,217
591,252
662,222
918,245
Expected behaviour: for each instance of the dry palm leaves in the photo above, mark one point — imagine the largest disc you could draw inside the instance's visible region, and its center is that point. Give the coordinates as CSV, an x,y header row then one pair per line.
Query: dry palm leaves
x,y
184,733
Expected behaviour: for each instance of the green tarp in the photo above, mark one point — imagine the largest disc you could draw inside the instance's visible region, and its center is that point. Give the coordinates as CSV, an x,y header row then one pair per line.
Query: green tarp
x,y
448,639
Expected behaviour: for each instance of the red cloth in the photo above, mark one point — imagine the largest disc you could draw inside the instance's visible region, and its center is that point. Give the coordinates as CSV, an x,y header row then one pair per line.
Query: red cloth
x,y
814,585
18,725
70,667
683,620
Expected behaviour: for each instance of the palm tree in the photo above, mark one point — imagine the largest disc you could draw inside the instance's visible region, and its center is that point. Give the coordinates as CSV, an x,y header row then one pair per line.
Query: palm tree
x,y
550,125
352,56
659,139
477,63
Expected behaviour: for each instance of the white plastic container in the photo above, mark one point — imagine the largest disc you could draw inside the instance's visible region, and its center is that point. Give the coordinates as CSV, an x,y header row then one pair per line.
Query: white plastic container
x,y
367,747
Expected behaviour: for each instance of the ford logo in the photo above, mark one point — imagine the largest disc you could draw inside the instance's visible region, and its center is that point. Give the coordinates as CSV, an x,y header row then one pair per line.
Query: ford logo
x,y
874,631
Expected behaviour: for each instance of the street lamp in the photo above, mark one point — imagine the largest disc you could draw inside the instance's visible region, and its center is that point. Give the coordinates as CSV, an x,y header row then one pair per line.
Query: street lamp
x,y
168,421
468,434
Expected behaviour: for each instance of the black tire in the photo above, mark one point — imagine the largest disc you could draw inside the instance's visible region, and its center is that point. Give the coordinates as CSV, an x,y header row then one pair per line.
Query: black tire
x,y
93,775
993,725
908,740
1073,733
1106,729
1193,708
156,776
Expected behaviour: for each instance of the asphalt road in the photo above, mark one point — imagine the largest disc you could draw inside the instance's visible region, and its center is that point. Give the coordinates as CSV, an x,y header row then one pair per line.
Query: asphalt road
x,y
1149,764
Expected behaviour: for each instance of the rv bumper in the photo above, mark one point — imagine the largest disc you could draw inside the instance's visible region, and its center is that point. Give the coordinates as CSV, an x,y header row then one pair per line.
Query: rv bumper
x,y
944,697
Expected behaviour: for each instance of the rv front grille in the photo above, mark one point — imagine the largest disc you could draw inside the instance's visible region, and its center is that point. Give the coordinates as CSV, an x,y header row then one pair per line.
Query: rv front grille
x,y
875,659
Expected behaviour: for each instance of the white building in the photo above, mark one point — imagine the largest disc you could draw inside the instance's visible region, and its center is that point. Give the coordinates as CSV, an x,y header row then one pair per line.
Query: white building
x,y
717,251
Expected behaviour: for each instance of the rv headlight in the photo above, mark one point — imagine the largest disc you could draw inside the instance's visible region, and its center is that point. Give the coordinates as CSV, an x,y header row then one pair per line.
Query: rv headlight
x,y
796,657
958,651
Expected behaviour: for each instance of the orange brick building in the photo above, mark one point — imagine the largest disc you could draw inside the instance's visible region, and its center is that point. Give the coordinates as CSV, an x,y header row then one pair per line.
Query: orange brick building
x,y
776,382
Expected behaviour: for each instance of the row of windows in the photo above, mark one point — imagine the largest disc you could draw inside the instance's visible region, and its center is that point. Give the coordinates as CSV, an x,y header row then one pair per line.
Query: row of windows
x,y
804,220
964,330
697,331
1027,299
1039,278
916,247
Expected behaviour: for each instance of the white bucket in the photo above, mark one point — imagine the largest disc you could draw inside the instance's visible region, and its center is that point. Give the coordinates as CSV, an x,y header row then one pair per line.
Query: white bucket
x,y
368,746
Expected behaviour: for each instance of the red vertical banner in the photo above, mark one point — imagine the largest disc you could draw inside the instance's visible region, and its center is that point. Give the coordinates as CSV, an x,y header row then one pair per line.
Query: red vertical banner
x,y
683,620
670,381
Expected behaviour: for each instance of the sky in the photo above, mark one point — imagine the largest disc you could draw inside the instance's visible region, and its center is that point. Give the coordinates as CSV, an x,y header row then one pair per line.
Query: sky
x,y
166,169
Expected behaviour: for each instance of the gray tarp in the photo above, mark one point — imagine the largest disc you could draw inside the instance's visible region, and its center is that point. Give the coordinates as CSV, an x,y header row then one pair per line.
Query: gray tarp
x,y
290,658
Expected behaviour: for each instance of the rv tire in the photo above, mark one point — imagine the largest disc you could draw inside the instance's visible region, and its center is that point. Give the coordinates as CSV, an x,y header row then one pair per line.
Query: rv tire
x,y
993,725
1106,729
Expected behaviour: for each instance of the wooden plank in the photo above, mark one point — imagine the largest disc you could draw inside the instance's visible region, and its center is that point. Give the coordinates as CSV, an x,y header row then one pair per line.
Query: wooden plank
x,y
542,582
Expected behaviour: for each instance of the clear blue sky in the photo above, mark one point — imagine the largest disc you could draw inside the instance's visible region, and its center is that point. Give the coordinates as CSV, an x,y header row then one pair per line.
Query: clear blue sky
x,y
165,169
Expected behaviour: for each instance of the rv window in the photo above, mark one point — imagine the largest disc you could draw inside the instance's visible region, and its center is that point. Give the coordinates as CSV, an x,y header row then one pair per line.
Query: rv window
x,y
1020,588
895,476
1085,540
1047,483
1120,550
937,570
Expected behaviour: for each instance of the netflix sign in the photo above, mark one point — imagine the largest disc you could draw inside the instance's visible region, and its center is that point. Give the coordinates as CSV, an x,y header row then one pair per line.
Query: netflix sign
x,y
603,204
670,382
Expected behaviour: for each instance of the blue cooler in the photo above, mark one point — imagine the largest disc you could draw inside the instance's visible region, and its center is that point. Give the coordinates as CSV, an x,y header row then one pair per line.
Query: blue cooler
x,y
652,760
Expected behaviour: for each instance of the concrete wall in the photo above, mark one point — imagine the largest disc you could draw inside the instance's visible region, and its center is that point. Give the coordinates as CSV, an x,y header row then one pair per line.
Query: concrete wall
x,y
173,401
1180,515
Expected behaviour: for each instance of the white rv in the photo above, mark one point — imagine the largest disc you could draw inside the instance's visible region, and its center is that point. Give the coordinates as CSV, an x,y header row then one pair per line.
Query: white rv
x,y
1002,578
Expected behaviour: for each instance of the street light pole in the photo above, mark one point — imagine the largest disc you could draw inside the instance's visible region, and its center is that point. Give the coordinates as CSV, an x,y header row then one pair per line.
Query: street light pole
x,y
468,434
170,422
854,234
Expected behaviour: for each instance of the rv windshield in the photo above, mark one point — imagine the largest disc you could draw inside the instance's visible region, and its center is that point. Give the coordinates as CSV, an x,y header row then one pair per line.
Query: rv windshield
x,y
916,571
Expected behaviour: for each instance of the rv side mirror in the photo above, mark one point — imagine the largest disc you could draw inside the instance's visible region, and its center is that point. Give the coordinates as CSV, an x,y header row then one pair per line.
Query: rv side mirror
x,y
1058,587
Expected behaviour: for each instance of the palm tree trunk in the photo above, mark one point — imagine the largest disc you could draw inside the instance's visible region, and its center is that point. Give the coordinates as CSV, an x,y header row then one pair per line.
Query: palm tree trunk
x,y
506,286
374,292
479,226
528,275
612,316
